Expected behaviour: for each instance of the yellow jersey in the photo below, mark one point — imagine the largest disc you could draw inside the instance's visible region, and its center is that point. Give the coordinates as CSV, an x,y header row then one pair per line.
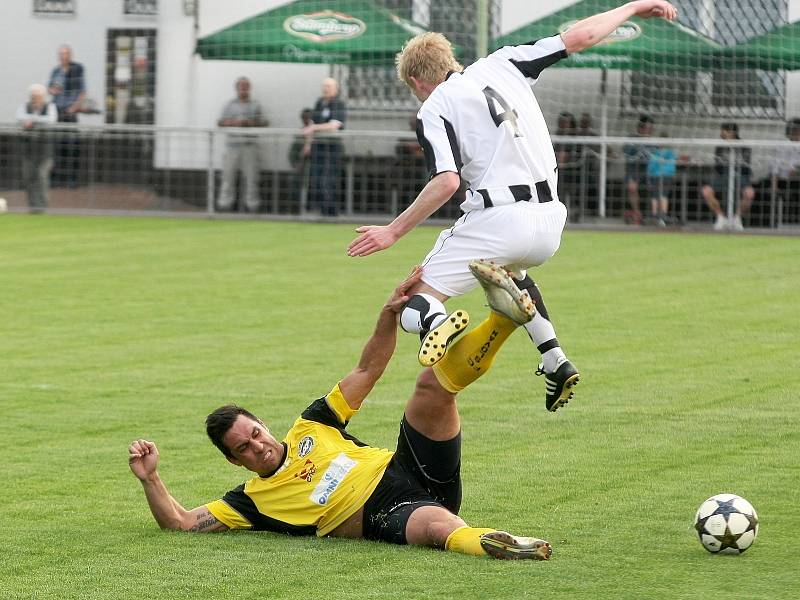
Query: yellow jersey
x,y
325,477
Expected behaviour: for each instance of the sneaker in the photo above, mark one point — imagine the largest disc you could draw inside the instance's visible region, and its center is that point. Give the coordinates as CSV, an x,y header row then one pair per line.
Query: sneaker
x,y
736,224
499,544
559,385
721,223
434,342
502,293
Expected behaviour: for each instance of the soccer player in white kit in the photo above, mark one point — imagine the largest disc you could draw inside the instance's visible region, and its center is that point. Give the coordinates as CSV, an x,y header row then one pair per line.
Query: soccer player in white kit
x,y
484,126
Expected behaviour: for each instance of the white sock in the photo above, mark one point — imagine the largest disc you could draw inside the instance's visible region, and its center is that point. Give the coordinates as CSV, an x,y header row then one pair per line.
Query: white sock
x,y
540,331
552,359
422,312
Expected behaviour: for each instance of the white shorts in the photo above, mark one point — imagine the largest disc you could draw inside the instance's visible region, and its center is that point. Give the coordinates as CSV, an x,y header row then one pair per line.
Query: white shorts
x,y
519,236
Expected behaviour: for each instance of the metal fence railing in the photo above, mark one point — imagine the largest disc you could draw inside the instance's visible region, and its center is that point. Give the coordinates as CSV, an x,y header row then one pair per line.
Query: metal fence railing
x,y
376,174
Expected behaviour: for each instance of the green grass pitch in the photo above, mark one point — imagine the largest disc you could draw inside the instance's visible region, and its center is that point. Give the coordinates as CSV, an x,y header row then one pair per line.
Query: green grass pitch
x,y
114,328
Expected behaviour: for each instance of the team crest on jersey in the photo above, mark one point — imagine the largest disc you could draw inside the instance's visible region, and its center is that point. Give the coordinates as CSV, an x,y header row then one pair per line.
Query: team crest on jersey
x,y
624,33
305,446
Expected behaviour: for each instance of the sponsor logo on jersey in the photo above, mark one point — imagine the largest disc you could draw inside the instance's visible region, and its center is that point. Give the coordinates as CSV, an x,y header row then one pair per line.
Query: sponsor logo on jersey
x,y
305,446
325,26
624,33
332,478
307,472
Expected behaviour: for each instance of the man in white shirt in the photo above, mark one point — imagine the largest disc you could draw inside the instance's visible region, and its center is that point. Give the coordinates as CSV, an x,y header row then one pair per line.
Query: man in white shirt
x,y
37,145
241,152
786,164
484,126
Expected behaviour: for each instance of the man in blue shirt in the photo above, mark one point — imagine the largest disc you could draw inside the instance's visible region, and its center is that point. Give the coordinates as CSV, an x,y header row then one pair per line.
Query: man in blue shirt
x,y
661,170
68,89
329,115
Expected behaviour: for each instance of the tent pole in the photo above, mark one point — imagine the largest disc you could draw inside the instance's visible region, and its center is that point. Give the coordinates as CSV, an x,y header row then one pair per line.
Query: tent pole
x,y
482,25
601,201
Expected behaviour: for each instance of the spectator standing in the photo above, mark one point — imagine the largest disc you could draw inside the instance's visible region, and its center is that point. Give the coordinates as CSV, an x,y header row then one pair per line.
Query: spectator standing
x,y
637,157
661,182
410,172
590,155
586,126
241,150
330,115
718,188
298,157
67,86
568,160
37,145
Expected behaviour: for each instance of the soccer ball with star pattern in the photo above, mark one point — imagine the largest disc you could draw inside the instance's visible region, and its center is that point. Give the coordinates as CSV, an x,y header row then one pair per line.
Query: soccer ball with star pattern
x,y
726,524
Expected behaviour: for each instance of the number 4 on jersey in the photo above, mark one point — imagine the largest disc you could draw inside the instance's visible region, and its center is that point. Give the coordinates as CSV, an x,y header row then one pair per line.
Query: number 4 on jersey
x,y
509,114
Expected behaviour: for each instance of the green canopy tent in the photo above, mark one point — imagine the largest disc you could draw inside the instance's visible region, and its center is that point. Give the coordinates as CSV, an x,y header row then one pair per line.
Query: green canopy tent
x,y
651,45
775,50
639,45
348,32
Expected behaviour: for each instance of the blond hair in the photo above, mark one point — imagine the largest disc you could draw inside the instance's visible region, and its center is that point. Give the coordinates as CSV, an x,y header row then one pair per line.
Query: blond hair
x,y
427,57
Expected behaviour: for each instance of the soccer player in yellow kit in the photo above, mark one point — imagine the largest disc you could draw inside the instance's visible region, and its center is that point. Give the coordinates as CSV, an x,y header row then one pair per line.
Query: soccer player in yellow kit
x,y
320,480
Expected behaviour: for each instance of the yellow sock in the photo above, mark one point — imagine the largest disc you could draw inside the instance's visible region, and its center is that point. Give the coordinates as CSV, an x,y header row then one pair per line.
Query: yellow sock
x,y
472,355
467,540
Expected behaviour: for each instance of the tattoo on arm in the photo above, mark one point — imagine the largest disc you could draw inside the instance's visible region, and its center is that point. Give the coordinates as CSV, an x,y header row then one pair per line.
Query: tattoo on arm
x,y
207,523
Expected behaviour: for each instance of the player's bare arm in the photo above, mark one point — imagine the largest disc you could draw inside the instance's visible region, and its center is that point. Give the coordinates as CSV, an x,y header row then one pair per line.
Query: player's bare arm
x,y
205,522
375,238
380,346
588,32
168,512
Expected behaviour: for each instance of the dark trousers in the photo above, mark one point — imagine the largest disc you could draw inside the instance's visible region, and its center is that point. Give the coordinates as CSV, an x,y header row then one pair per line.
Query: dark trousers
x,y
324,178
36,177
67,153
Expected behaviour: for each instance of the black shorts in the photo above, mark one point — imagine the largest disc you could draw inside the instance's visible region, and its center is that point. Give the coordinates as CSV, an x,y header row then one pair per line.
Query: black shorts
x,y
422,472
719,184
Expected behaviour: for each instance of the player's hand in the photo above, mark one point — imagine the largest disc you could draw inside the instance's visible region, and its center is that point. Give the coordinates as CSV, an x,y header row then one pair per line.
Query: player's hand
x,y
373,238
399,297
142,458
655,8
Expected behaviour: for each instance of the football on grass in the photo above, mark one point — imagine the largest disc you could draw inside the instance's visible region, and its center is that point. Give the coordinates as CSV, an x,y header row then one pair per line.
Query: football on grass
x,y
726,524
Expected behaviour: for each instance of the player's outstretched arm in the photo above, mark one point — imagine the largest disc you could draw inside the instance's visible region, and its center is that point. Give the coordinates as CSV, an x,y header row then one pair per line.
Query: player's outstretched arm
x,y
588,32
168,512
380,346
375,238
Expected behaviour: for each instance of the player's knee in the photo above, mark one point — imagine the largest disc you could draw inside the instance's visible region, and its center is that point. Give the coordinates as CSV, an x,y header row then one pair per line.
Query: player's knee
x,y
439,529
429,387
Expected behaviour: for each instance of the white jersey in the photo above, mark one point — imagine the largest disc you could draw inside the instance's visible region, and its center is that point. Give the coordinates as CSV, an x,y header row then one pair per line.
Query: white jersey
x,y
486,125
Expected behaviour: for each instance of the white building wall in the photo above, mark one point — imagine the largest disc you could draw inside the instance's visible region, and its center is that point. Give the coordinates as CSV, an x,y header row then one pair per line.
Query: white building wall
x,y
190,92
30,47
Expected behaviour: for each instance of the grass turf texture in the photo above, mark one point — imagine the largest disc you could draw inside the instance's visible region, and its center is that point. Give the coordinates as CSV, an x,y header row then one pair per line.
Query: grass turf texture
x,y
118,328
